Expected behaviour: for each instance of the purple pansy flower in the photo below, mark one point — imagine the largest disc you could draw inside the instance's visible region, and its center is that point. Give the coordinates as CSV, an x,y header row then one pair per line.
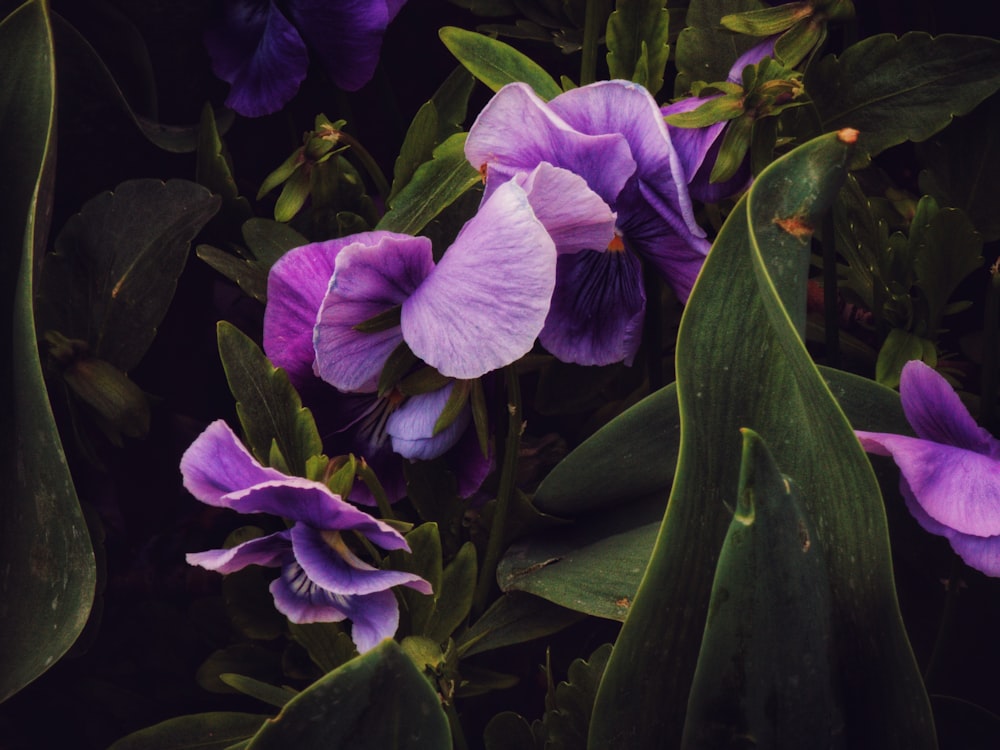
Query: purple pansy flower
x,y
262,55
699,147
321,579
950,472
612,135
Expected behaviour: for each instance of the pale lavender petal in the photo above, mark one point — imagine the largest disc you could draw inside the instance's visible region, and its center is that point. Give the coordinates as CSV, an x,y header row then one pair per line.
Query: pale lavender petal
x,y
302,601
368,280
314,504
956,487
270,551
979,552
751,57
517,131
936,412
484,304
346,34
329,563
575,217
374,618
260,54
597,309
412,425
216,464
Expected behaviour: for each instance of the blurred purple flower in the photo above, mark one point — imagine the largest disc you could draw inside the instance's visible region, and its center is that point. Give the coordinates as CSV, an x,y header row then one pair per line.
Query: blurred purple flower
x,y
950,472
699,147
263,56
612,135
321,579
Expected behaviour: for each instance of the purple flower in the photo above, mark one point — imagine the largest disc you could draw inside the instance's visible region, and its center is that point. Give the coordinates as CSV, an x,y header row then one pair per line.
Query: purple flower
x,y
699,147
262,55
950,472
612,135
321,579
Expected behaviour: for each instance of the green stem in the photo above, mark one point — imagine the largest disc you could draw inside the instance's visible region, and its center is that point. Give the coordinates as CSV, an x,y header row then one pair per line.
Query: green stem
x,y
831,316
457,735
368,162
508,475
377,490
594,21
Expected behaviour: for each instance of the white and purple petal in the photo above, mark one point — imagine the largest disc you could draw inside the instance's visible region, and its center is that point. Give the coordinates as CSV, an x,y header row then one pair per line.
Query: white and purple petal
x,y
597,309
269,551
484,304
411,426
260,54
369,279
217,464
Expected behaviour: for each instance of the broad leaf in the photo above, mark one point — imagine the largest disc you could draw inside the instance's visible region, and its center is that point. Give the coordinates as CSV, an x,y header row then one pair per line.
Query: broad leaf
x,y
377,700
907,88
217,730
47,571
741,363
705,50
511,619
496,64
634,26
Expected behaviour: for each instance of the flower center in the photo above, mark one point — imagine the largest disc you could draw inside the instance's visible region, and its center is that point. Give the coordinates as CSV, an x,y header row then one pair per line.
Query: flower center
x,y
616,245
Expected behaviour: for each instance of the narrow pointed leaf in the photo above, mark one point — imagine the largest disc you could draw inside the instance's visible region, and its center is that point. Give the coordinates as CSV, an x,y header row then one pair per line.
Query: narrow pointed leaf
x,y
633,24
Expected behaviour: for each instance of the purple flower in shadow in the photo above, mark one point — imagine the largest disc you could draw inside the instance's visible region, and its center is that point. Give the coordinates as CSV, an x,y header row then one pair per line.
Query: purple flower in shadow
x,y
321,579
950,472
612,135
262,54
699,147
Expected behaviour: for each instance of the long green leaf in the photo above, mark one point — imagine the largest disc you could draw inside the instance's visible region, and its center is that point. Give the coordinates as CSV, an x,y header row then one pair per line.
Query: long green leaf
x,y
47,570
216,730
633,25
908,88
496,64
741,363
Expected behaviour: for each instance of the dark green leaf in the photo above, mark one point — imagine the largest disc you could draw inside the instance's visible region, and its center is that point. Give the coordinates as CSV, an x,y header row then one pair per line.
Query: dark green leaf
x,y
435,185
767,21
509,731
326,642
116,264
453,599
634,26
248,275
377,700
705,50
268,240
262,691
214,171
571,704
217,730
514,618
47,570
267,404
899,348
424,559
897,89
496,64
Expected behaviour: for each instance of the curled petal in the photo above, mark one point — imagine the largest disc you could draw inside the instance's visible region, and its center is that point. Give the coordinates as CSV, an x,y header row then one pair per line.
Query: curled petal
x,y
368,280
260,54
484,304
412,425
270,551
936,412
329,563
216,464
597,309
751,57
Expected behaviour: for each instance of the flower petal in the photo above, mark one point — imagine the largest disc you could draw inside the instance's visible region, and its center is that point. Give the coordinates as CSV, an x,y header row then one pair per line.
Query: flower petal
x,y
597,309
369,279
216,464
269,551
575,217
956,487
412,425
752,56
329,563
484,304
260,54
936,412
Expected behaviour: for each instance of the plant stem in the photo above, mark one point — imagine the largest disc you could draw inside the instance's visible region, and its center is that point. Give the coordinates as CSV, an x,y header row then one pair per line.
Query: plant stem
x,y
369,163
508,474
457,735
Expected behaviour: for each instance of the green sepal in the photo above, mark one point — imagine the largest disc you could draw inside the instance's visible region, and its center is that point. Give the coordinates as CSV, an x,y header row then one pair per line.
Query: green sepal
x,y
719,109
480,416
734,148
457,400
294,194
793,46
768,21
424,380
397,365
382,322
282,173
342,476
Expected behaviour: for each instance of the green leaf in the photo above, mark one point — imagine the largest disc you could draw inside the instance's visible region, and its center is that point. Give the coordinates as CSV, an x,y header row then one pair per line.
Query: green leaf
x,y
293,195
496,64
453,597
899,348
571,703
216,730
248,275
268,240
267,404
115,266
326,642
509,731
741,363
262,691
705,51
377,700
765,667
767,21
930,79
633,24
435,185
213,168
47,569
424,559
514,618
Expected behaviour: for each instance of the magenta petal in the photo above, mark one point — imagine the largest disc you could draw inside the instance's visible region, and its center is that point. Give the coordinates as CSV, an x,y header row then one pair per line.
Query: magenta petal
x,y
368,280
412,425
260,54
597,309
936,412
484,304
956,487
332,565
269,551
575,217
216,464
